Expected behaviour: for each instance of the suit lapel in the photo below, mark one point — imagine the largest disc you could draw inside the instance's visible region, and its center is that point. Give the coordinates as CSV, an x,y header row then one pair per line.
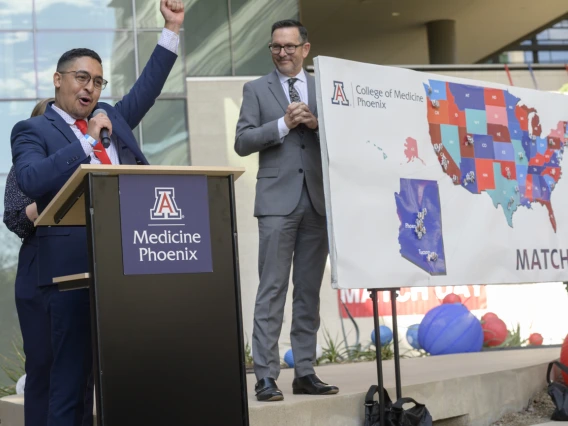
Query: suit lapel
x,y
120,136
59,123
276,89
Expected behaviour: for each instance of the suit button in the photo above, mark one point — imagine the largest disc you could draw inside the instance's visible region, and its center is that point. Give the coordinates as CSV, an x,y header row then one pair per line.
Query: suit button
x,y
301,171
303,146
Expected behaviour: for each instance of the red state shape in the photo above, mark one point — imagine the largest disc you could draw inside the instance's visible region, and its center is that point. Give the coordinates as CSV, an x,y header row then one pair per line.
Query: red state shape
x,y
435,134
466,151
484,174
455,116
536,127
512,169
559,132
553,172
548,155
523,116
528,187
494,97
499,132
546,203
438,115
554,142
538,160
453,168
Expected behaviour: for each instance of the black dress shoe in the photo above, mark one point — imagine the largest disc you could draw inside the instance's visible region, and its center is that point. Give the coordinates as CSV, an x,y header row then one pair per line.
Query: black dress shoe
x,y
312,385
267,390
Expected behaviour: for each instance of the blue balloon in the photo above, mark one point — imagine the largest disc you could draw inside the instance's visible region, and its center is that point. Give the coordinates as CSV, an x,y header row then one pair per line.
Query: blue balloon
x,y
289,358
412,336
450,329
386,335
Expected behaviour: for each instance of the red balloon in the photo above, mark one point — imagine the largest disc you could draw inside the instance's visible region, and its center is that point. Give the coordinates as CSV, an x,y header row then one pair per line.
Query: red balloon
x,y
535,339
488,316
494,332
564,357
452,298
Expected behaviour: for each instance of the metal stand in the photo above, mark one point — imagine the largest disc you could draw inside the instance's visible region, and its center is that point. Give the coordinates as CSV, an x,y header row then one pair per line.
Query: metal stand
x,y
378,349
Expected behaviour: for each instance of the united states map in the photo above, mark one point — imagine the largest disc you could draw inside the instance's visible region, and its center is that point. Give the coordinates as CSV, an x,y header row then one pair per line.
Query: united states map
x,y
488,140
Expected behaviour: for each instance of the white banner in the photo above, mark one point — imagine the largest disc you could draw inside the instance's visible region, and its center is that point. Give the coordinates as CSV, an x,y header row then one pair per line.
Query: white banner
x,y
432,180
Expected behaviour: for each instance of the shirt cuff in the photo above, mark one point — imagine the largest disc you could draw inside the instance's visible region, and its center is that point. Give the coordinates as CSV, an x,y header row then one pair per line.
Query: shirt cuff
x,y
86,144
169,40
283,130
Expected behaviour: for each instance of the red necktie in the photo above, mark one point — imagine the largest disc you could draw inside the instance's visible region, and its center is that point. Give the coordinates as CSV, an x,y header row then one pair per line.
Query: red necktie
x,y
100,151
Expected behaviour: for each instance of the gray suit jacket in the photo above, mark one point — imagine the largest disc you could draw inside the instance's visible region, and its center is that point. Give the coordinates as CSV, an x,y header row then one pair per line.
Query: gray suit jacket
x,y
283,164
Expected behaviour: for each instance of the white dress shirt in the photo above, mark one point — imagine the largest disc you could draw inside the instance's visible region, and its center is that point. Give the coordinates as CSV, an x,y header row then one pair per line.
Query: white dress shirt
x,y
301,86
168,40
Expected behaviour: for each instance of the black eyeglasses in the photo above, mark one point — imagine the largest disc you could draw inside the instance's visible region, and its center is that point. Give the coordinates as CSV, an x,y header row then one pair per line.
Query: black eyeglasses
x,y
83,78
289,48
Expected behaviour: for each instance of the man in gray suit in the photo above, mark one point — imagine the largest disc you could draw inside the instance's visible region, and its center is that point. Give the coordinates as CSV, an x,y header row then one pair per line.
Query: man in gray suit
x,y
278,119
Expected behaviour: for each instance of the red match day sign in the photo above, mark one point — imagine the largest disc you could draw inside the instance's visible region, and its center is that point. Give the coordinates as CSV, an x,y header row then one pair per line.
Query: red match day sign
x,y
411,301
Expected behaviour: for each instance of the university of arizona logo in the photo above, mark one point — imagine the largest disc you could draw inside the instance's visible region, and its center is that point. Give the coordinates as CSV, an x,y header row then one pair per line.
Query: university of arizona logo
x,y
339,97
165,206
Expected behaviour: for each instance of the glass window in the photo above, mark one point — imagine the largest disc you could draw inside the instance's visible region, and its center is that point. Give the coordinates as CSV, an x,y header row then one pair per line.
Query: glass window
x,y
544,57
17,75
83,14
16,14
207,46
175,83
10,113
559,57
251,22
116,50
165,134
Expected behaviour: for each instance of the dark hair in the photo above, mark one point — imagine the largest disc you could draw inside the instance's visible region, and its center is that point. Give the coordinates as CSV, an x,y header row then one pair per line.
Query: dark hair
x,y
73,54
39,109
291,23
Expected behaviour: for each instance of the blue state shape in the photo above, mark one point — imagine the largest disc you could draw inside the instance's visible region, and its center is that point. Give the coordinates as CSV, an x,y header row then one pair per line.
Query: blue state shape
x,y
505,194
470,97
483,147
550,182
528,145
438,90
415,195
544,189
511,101
504,151
515,130
522,171
525,202
554,161
468,165
451,141
536,170
541,145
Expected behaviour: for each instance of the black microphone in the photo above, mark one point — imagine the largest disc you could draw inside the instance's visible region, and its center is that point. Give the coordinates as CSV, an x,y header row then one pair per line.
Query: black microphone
x,y
105,139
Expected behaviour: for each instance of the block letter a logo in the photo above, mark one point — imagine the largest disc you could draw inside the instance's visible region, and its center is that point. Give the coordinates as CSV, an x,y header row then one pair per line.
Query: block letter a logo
x,y
339,97
165,206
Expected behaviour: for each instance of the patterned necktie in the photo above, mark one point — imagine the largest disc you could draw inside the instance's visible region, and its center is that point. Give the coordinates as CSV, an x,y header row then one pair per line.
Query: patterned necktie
x,y
294,95
99,149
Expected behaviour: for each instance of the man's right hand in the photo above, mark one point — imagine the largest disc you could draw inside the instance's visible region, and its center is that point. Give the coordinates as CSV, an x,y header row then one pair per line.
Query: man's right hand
x,y
96,124
291,117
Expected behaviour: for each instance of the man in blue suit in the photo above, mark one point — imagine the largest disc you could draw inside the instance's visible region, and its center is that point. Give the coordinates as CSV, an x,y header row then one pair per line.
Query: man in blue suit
x,y
46,150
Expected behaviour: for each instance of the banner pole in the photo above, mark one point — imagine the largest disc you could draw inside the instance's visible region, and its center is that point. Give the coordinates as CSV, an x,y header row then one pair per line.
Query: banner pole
x,y
378,349
394,295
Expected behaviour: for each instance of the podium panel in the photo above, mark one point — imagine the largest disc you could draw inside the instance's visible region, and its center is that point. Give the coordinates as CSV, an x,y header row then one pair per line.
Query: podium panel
x,y
168,347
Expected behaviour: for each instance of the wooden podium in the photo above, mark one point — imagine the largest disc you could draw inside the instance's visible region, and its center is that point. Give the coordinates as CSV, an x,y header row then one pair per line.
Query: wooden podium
x,y
168,347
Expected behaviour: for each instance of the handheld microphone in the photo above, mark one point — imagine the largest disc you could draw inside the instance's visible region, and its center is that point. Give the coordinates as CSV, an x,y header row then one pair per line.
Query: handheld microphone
x,y
105,139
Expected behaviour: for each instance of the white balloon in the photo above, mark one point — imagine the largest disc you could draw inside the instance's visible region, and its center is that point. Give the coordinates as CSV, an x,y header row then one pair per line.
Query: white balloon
x,y
20,386
319,351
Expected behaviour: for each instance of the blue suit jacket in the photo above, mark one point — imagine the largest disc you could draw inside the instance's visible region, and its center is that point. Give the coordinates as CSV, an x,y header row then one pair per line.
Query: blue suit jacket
x,y
46,152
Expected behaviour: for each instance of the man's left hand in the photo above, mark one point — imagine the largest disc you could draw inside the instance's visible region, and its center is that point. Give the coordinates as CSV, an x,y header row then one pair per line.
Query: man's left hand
x,y
173,13
302,114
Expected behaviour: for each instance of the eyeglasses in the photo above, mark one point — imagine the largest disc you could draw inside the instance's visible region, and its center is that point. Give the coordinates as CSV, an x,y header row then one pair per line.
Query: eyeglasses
x,y
83,78
289,48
